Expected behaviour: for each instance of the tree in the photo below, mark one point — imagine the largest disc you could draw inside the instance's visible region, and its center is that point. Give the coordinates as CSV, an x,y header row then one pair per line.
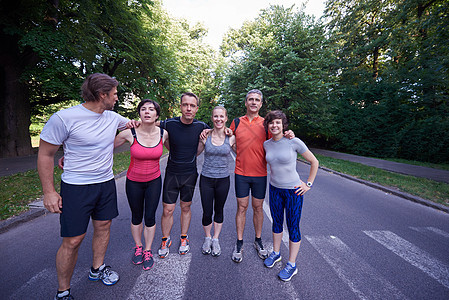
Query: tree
x,y
391,68
282,53
17,18
49,47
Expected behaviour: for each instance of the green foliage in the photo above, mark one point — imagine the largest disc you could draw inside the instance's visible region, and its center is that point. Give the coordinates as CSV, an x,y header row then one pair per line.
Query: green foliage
x,y
392,67
283,53
151,54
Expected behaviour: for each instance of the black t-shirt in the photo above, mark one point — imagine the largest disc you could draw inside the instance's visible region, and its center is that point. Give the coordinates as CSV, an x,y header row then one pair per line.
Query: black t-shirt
x,y
183,140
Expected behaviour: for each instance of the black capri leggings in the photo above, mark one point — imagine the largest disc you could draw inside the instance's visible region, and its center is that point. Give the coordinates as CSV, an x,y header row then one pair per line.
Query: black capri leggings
x,y
210,189
143,195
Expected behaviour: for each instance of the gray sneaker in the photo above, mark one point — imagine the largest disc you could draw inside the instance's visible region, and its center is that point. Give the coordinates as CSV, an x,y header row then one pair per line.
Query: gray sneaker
x,y
237,254
164,250
105,274
64,296
206,245
216,249
261,251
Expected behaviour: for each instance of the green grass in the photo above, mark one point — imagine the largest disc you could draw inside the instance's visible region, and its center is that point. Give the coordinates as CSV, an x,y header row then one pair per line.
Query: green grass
x,y
19,190
428,189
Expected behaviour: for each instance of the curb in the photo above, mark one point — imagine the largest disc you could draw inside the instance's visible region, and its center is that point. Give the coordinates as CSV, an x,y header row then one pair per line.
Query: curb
x,y
29,215
388,190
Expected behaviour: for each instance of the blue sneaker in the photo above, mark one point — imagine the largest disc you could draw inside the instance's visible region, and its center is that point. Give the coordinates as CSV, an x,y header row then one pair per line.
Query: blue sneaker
x,y
271,260
287,273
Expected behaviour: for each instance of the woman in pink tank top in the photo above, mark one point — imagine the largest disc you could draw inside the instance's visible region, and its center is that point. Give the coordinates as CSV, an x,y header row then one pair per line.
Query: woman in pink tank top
x,y
143,179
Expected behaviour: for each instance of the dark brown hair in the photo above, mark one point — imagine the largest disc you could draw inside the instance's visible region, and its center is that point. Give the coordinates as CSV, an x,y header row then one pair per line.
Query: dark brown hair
x,y
156,106
273,115
96,84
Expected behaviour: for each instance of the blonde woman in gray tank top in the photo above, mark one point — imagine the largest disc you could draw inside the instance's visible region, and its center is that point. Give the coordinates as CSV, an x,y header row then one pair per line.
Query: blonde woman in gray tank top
x,y
214,180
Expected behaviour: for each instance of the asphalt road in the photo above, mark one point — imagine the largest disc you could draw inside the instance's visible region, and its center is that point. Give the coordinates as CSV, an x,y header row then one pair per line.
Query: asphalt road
x,y
358,243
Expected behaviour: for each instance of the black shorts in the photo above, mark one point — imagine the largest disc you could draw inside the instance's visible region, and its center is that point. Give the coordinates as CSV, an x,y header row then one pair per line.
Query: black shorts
x,y
257,185
174,185
81,202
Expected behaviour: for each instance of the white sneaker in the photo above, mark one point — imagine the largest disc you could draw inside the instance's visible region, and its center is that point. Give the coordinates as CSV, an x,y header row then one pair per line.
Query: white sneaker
x,y
206,245
216,249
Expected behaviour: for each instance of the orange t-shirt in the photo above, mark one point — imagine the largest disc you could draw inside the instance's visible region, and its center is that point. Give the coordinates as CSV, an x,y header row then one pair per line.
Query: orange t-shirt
x,y
249,138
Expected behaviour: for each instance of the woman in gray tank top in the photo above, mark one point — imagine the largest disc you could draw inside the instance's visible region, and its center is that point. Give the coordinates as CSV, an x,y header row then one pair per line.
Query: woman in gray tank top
x,y
214,180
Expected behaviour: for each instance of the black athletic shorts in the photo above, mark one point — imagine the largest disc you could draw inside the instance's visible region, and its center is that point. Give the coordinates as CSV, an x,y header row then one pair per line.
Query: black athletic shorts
x,y
174,185
257,185
81,202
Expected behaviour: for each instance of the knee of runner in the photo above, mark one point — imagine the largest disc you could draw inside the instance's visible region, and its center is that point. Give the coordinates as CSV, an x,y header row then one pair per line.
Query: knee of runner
x,y
168,210
72,242
185,209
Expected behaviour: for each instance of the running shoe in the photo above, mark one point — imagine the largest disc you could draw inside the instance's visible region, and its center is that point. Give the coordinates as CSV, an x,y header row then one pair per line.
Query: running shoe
x,y
206,245
272,260
216,249
105,274
138,255
184,246
164,250
237,254
261,251
287,273
64,296
148,260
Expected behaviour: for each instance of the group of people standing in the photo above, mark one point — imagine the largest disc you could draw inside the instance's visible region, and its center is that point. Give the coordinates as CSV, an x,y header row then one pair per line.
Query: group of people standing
x,y
88,135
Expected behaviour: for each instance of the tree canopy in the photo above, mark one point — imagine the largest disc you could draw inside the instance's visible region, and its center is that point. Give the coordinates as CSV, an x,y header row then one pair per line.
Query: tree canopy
x,y
370,77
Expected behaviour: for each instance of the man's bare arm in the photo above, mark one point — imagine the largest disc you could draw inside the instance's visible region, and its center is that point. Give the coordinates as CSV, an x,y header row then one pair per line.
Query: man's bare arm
x,y
45,167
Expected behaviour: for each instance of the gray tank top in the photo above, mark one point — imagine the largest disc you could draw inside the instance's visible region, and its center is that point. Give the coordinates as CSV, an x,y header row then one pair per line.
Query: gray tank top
x,y
216,159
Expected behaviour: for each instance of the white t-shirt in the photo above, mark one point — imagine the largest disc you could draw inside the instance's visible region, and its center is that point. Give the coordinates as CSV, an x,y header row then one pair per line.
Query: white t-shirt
x,y
88,141
281,156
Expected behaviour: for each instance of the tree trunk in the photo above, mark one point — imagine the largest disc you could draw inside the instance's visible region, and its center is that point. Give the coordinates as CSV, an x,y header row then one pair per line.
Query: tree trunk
x,y
14,101
376,62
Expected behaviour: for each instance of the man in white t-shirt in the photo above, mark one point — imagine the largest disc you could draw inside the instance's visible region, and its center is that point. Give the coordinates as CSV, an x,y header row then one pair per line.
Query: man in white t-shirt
x,y
87,133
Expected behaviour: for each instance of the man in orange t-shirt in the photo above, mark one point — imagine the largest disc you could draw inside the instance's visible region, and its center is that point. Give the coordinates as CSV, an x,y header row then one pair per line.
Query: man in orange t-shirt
x,y
250,171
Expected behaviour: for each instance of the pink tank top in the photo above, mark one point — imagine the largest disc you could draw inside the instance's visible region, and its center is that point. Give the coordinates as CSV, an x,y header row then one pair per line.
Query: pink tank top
x,y
144,165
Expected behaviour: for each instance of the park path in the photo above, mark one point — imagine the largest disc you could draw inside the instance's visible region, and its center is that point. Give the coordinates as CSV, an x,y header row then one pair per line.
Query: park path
x,y
417,171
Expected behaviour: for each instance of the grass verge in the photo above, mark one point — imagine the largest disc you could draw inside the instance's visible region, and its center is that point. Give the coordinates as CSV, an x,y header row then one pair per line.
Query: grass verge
x,y
428,189
18,190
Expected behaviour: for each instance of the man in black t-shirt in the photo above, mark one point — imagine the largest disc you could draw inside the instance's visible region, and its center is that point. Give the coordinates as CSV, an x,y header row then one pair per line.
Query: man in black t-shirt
x,y
181,172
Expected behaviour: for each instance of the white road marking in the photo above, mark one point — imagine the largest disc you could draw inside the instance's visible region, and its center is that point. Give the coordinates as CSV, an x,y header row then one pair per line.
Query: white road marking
x,y
169,282
438,231
412,254
431,229
46,277
353,270
426,230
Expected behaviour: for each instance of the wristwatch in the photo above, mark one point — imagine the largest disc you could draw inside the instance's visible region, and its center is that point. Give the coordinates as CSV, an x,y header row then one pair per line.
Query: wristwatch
x,y
309,184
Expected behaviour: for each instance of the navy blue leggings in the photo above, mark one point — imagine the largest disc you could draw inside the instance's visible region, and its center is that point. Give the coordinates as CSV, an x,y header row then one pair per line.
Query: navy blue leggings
x,y
286,199
143,197
213,189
